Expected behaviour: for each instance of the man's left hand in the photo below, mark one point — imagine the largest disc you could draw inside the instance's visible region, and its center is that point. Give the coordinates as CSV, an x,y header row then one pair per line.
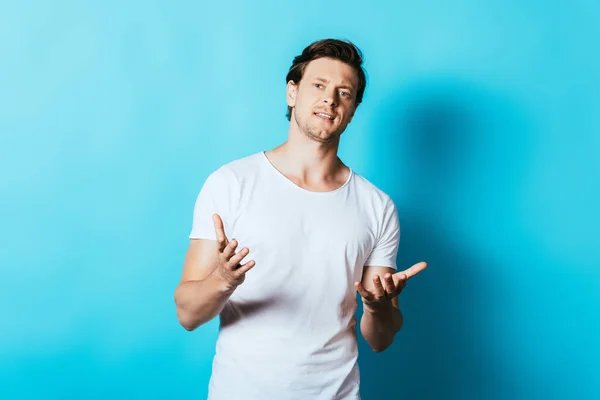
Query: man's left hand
x,y
380,297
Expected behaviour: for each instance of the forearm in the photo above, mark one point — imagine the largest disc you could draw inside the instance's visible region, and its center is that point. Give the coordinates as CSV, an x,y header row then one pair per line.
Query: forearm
x,y
198,302
379,328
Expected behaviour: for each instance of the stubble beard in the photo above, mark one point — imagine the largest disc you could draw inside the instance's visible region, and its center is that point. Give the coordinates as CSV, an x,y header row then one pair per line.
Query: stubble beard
x,y
311,131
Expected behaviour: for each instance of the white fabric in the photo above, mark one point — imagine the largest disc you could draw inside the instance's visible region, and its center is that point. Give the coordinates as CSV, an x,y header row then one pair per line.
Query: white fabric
x,y
289,331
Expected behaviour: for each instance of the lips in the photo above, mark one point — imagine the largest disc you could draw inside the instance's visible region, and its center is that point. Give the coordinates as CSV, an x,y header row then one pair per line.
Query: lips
x,y
325,115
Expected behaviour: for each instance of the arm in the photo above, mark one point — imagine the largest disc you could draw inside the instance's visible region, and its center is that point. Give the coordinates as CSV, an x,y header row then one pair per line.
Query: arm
x,y
379,325
211,272
200,297
382,318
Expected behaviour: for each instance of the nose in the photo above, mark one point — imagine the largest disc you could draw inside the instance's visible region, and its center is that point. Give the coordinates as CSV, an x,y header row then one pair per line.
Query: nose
x,y
329,97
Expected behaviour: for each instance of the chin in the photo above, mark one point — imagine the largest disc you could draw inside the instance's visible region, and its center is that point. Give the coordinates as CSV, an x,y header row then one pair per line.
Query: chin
x,y
322,137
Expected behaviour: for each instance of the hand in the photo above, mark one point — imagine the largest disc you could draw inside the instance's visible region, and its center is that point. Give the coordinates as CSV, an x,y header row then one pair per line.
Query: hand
x,y
380,298
229,268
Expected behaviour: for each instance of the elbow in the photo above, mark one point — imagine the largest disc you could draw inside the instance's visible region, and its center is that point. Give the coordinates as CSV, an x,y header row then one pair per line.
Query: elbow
x,y
184,318
185,321
188,327
379,349
378,344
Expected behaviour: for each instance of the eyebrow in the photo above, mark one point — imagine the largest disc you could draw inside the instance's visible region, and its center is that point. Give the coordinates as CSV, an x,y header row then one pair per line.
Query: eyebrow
x,y
326,81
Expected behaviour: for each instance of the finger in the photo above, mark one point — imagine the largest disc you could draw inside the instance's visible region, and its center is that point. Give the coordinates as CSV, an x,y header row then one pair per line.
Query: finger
x,y
363,292
236,259
245,268
220,232
414,270
229,250
400,281
379,290
388,281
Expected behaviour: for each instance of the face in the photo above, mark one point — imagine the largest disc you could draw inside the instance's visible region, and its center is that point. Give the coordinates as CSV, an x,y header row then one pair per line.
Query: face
x,y
325,99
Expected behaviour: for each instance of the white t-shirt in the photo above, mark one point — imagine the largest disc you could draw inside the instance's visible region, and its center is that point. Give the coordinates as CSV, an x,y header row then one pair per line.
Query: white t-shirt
x,y
289,331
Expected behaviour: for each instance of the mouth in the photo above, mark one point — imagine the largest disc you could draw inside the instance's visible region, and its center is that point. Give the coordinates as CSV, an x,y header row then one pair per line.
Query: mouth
x,y
325,116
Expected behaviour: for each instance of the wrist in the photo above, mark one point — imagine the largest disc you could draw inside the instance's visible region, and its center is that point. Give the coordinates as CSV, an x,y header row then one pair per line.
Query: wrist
x,y
223,285
382,309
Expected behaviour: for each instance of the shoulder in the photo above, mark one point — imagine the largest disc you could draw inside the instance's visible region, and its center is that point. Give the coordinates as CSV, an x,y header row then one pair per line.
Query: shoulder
x,y
369,191
236,170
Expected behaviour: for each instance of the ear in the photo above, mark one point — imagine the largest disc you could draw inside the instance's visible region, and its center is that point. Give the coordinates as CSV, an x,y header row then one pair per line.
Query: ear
x,y
292,91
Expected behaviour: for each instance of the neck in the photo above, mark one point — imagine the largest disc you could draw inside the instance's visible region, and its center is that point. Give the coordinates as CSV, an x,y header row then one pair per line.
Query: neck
x,y
307,158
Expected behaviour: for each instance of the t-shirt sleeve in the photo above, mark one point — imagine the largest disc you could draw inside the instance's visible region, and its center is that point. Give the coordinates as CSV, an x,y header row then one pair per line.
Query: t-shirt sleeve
x,y
386,248
217,196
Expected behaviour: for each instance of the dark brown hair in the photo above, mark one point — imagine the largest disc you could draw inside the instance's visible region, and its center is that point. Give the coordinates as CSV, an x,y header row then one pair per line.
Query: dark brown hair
x,y
341,50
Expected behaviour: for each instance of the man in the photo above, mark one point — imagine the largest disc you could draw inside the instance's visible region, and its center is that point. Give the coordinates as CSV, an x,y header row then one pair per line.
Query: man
x,y
311,232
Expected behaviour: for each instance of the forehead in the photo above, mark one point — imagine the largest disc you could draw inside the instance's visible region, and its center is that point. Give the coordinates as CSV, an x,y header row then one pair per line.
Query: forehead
x,y
332,70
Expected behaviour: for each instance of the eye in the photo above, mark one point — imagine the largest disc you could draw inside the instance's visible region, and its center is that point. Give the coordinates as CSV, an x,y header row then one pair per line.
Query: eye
x,y
345,94
318,85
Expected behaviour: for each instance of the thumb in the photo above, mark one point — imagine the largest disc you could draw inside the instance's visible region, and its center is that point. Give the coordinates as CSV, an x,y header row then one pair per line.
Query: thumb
x,y
220,231
400,279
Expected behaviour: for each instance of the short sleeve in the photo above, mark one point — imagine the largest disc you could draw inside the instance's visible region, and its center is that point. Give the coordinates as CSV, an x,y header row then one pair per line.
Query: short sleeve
x,y
217,196
386,248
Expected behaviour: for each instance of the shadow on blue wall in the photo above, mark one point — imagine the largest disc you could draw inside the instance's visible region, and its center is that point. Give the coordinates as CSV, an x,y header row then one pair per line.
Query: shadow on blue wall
x,y
455,163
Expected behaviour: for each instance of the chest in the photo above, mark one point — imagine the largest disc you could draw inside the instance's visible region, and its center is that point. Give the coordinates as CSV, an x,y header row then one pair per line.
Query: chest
x,y
332,231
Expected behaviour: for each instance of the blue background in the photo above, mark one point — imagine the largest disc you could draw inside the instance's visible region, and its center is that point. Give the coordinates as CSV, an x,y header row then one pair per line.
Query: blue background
x,y
481,120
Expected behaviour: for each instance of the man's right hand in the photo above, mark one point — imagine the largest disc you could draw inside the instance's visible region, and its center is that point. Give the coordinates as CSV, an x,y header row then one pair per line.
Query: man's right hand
x,y
229,269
